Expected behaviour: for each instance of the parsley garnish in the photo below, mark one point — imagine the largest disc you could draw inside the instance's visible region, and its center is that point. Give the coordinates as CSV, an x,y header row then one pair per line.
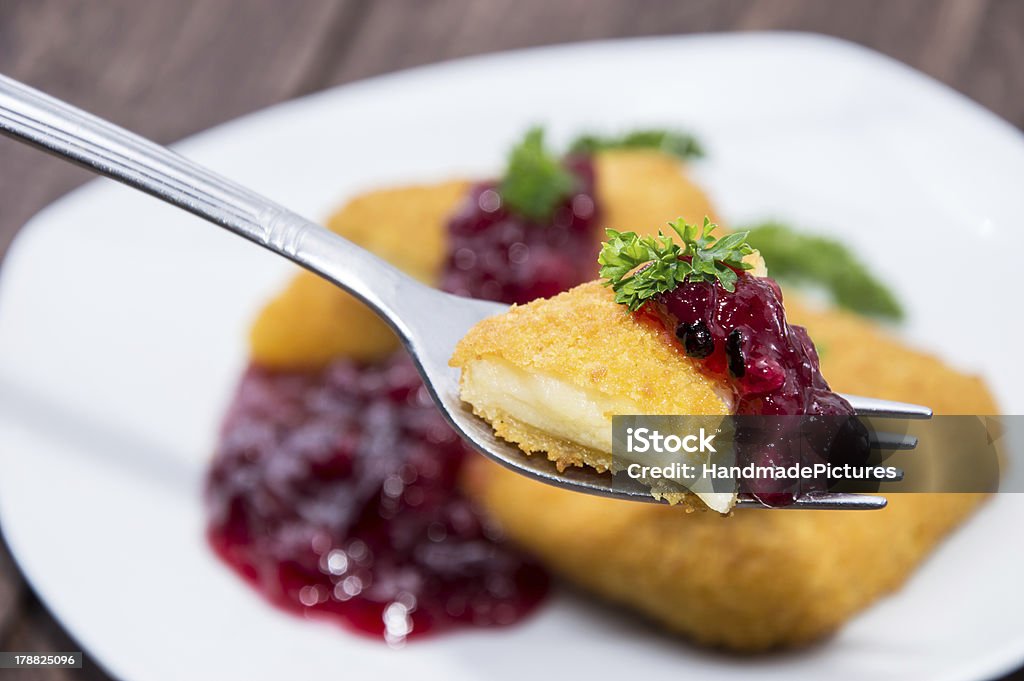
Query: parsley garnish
x,y
535,181
807,259
669,141
640,268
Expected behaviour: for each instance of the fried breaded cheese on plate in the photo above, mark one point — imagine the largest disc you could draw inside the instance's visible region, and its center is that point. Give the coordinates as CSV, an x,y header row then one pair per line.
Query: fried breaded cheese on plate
x,y
751,581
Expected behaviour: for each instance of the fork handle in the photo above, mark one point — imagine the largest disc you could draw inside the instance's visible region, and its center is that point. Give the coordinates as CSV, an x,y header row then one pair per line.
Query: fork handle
x,y
74,135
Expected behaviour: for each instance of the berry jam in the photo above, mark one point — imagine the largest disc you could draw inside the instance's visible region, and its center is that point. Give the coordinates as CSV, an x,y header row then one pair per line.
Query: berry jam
x,y
773,370
336,492
495,254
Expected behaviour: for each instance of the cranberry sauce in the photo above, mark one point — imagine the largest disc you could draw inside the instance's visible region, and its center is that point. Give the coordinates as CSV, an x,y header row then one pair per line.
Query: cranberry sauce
x,y
772,366
773,370
496,254
335,493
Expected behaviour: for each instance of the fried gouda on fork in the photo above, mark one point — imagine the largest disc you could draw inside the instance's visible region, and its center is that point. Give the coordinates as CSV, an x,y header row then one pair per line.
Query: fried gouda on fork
x,y
758,579
549,375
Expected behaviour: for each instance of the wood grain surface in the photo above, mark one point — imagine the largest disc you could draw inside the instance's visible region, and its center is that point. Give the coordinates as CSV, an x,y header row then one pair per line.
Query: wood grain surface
x,y
169,69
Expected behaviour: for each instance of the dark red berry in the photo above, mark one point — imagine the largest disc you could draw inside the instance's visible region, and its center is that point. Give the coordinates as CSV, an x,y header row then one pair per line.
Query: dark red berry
x,y
734,354
696,338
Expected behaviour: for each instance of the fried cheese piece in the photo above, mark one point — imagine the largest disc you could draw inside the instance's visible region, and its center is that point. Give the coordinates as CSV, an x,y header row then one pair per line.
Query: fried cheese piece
x,y
641,190
549,376
755,580
312,321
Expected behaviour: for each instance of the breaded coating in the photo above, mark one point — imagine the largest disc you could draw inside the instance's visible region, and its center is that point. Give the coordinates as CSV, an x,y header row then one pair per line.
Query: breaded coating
x,y
407,226
584,339
755,580
312,321
641,190
860,358
752,581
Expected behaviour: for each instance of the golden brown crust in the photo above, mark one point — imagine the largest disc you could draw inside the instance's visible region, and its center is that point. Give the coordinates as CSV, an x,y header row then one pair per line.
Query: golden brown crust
x,y
312,321
563,452
860,358
752,581
641,190
407,226
584,338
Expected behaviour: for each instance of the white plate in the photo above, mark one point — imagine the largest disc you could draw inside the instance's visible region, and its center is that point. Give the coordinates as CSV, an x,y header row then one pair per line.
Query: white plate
x,y
122,327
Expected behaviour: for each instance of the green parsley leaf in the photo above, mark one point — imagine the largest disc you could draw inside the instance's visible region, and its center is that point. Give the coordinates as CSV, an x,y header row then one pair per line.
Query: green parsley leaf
x,y
672,142
799,258
640,268
535,180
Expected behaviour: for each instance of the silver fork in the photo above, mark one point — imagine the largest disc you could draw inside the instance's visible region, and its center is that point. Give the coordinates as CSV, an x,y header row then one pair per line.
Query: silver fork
x,y
429,322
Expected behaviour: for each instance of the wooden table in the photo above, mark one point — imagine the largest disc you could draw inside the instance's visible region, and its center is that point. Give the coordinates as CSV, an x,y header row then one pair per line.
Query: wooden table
x,y
169,69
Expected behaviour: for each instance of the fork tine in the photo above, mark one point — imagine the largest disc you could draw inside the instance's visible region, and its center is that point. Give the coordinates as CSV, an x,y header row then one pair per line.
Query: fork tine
x,y
894,441
871,406
826,501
